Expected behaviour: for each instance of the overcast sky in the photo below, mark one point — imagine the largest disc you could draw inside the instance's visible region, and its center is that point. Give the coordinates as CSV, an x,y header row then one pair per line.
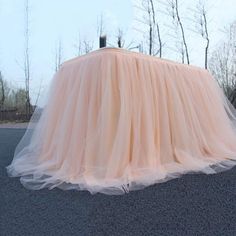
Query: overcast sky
x,y
51,20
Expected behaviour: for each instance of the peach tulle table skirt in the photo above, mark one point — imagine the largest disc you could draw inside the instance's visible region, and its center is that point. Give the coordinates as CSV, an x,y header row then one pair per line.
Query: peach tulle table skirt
x,y
117,121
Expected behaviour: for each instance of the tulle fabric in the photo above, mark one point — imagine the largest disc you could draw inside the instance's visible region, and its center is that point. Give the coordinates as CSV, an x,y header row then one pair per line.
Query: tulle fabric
x,y
116,121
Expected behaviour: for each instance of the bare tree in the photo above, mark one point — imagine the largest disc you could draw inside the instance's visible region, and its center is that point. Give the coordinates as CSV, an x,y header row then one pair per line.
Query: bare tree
x,y
38,94
174,12
2,91
19,99
78,46
120,38
83,46
150,25
87,46
157,27
180,49
151,32
205,35
27,73
146,20
58,55
101,26
122,43
201,22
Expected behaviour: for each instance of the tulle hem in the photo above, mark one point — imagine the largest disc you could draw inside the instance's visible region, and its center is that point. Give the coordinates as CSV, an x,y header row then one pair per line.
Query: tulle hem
x,y
125,184
113,119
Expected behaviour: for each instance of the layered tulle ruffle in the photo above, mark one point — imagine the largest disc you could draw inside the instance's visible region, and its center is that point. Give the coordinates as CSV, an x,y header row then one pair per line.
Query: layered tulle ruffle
x,y
117,121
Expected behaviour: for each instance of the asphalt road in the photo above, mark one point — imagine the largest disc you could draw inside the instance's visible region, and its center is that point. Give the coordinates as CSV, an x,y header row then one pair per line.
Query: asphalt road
x,y
195,204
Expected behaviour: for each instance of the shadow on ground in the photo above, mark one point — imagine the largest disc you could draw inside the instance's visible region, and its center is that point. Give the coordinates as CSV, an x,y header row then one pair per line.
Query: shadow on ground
x,y
192,205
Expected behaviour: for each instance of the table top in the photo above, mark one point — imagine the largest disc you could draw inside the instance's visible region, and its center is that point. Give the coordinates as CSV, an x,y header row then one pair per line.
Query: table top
x,y
111,51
